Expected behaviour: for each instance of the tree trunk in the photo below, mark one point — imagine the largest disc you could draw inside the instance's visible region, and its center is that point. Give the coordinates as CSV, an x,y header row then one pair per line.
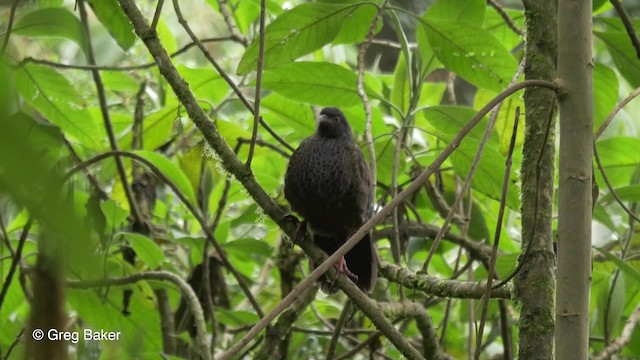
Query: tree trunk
x,y
575,172
535,283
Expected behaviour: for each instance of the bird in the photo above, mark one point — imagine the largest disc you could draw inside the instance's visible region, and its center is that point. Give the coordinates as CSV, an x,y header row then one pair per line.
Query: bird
x,y
327,183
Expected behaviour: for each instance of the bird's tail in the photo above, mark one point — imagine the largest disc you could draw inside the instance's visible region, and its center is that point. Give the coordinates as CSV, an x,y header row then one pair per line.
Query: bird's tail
x,y
361,260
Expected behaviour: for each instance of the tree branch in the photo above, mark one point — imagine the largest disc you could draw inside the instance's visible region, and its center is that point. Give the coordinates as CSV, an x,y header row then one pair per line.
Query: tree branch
x,y
187,291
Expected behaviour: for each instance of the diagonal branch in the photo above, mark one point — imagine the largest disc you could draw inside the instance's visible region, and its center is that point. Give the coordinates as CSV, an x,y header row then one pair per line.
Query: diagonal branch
x,y
234,166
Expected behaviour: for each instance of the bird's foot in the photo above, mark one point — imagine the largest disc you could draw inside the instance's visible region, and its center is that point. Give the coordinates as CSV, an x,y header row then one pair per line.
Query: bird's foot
x,y
341,268
300,231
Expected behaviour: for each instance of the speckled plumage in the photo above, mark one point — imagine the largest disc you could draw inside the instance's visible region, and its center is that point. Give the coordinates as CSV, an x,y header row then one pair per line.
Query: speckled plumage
x,y
327,183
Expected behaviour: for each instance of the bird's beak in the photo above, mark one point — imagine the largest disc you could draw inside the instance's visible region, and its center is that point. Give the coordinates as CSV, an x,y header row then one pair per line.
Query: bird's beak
x,y
323,119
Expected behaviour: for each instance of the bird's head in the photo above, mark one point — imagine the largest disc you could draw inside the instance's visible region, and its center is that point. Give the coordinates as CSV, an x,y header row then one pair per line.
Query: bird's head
x,y
333,124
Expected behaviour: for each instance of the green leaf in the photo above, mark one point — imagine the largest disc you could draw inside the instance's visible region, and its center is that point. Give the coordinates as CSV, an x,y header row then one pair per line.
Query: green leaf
x,y
605,93
401,93
119,81
469,11
489,173
248,246
172,172
205,84
621,264
114,214
158,127
55,21
114,19
446,121
301,30
53,96
623,55
236,318
471,52
288,117
356,24
146,249
620,158
323,84
600,214
506,117
629,193
495,24
195,247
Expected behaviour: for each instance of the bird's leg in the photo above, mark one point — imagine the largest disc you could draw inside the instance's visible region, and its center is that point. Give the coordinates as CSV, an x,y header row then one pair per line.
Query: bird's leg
x,y
341,267
300,231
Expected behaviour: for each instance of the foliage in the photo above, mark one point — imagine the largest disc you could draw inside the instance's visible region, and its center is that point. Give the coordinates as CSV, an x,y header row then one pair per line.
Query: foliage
x,y
52,120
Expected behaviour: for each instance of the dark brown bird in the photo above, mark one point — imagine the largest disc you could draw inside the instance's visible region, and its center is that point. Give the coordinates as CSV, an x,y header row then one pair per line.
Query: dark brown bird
x,y
327,183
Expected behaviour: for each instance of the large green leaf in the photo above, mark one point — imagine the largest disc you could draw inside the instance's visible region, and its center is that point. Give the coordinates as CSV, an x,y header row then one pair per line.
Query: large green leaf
x,y
158,127
53,96
506,116
114,214
146,249
172,172
53,21
620,158
629,193
495,24
489,173
316,83
288,117
623,55
622,265
205,83
236,318
469,11
446,122
304,29
113,18
471,52
401,93
605,93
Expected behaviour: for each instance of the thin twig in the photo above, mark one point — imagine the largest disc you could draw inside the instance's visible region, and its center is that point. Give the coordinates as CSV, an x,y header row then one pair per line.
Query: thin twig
x,y
503,14
619,343
53,64
257,97
14,262
185,289
224,75
7,33
104,108
613,191
477,250
191,207
232,164
347,311
527,251
628,25
467,182
430,346
615,111
267,145
365,98
496,236
231,23
15,342
156,15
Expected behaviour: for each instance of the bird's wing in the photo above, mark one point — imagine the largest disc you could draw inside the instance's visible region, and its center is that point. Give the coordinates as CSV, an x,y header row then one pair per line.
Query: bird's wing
x,y
364,180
